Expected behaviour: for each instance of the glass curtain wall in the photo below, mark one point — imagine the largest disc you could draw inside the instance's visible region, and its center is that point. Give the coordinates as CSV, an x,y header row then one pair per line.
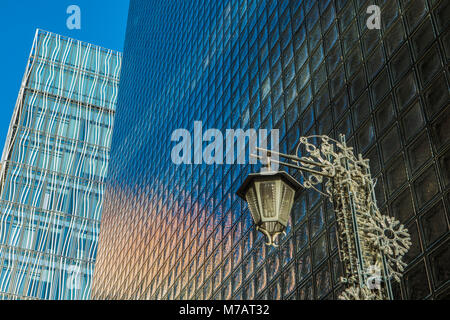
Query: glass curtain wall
x,y
53,168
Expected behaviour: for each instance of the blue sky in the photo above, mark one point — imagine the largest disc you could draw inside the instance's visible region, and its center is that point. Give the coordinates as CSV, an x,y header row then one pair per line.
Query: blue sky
x,y
103,22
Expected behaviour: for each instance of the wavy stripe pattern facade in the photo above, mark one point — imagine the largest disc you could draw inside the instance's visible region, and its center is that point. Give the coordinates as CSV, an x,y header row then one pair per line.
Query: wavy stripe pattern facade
x,y
53,167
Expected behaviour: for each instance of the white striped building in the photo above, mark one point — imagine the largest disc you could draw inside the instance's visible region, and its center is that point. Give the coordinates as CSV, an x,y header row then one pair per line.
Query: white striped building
x,y
53,168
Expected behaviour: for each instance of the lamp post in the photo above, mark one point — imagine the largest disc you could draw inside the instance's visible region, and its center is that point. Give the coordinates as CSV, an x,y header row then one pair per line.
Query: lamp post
x,y
371,245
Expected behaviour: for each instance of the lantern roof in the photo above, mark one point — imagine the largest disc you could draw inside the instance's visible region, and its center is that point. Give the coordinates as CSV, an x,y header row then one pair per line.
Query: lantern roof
x,y
271,175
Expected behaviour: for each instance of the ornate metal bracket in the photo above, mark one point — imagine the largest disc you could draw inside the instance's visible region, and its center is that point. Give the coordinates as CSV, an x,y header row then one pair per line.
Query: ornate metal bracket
x,y
371,245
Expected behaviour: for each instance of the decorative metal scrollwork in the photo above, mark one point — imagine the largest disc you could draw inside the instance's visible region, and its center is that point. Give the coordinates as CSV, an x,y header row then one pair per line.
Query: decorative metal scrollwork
x,y
358,293
366,237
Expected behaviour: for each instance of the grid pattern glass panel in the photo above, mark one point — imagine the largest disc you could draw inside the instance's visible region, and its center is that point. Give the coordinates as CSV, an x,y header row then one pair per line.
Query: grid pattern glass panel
x,y
304,67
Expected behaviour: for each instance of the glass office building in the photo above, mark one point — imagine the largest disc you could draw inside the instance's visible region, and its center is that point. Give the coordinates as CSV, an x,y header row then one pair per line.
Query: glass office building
x,y
304,67
53,167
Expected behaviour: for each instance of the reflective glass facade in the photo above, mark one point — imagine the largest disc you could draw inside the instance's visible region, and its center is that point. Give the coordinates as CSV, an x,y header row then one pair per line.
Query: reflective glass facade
x,y
304,67
53,168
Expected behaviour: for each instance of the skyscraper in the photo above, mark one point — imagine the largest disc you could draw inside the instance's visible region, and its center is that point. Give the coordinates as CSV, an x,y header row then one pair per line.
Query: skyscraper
x,y
304,67
53,167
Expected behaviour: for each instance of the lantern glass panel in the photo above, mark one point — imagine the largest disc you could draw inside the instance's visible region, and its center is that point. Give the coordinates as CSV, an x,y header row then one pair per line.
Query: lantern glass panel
x,y
268,195
252,201
287,200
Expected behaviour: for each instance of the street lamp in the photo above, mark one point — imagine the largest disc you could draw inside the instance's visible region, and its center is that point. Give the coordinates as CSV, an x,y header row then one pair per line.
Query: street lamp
x,y
371,245
270,196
